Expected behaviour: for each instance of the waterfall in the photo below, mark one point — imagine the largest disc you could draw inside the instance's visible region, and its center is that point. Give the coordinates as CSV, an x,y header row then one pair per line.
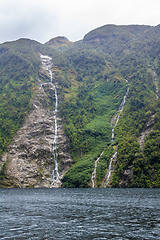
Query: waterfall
x,y
109,171
95,169
156,82
120,109
114,122
112,137
46,65
56,96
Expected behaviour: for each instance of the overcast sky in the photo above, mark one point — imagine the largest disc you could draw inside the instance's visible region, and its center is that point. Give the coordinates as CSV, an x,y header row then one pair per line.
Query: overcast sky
x,y
42,20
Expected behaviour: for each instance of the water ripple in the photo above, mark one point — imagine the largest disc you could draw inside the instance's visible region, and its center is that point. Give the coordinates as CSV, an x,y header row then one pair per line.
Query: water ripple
x,y
80,214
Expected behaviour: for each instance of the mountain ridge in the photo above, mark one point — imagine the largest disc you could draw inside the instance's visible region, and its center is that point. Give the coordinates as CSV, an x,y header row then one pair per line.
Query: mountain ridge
x,y
92,76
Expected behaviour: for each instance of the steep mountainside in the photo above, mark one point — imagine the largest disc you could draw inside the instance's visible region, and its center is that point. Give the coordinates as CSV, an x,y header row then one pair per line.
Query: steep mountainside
x,y
106,128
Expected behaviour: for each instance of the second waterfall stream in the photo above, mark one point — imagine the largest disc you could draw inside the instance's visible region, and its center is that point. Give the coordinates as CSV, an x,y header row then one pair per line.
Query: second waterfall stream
x,y
114,122
47,65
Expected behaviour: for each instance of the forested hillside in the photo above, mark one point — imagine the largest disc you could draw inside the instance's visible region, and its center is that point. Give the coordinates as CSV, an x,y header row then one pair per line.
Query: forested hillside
x,y
93,76
19,64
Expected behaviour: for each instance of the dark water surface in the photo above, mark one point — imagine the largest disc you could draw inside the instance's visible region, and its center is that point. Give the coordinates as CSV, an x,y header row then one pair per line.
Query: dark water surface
x,y
80,214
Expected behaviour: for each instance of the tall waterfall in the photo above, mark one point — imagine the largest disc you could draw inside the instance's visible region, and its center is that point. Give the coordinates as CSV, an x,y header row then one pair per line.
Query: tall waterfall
x,y
156,82
114,122
46,65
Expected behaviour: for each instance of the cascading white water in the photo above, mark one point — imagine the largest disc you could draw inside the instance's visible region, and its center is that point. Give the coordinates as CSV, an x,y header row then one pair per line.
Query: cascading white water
x,y
46,65
55,174
56,95
114,122
121,107
113,158
95,169
112,137
156,82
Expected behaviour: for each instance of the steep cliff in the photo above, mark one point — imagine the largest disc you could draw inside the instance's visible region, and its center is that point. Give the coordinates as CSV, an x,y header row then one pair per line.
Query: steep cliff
x,y
73,107
29,157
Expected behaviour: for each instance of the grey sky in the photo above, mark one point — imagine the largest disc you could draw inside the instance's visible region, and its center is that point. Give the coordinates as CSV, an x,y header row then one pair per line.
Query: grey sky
x,y
42,20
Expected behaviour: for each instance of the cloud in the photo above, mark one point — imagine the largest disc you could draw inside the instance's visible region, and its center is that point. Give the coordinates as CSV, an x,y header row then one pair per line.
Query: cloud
x,y
43,19
26,19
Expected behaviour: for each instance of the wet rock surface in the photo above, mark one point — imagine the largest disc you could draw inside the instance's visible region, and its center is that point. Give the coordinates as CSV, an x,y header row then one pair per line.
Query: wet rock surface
x,y
29,157
127,177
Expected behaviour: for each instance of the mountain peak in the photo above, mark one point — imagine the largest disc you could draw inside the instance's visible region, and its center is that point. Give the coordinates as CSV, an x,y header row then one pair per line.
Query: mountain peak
x,y
57,41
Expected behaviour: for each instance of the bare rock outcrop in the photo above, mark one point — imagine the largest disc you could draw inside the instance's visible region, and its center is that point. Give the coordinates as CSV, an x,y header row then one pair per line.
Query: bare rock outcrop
x,y
29,157
144,134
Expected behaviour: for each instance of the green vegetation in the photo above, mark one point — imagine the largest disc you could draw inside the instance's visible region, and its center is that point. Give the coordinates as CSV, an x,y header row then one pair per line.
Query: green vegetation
x,y
18,70
107,56
19,65
93,76
2,171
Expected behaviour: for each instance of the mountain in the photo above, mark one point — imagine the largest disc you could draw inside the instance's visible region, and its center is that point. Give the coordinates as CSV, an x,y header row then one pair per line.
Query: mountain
x,y
105,131
58,42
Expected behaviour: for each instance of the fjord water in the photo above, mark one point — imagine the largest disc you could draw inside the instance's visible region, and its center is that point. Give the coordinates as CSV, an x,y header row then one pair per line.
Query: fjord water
x,y
80,214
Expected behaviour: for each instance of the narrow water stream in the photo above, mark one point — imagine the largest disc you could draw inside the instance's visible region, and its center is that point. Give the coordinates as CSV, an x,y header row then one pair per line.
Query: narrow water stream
x,y
47,65
109,171
156,82
114,122
95,169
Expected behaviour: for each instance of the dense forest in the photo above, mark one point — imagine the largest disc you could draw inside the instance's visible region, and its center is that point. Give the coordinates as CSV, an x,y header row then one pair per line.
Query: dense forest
x,y
93,76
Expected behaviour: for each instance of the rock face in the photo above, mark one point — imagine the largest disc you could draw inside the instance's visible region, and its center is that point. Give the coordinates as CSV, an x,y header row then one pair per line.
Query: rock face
x,y
127,177
144,134
29,158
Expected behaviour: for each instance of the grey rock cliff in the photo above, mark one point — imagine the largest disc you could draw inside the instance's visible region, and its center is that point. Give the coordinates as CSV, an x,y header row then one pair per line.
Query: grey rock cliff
x,y
29,157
